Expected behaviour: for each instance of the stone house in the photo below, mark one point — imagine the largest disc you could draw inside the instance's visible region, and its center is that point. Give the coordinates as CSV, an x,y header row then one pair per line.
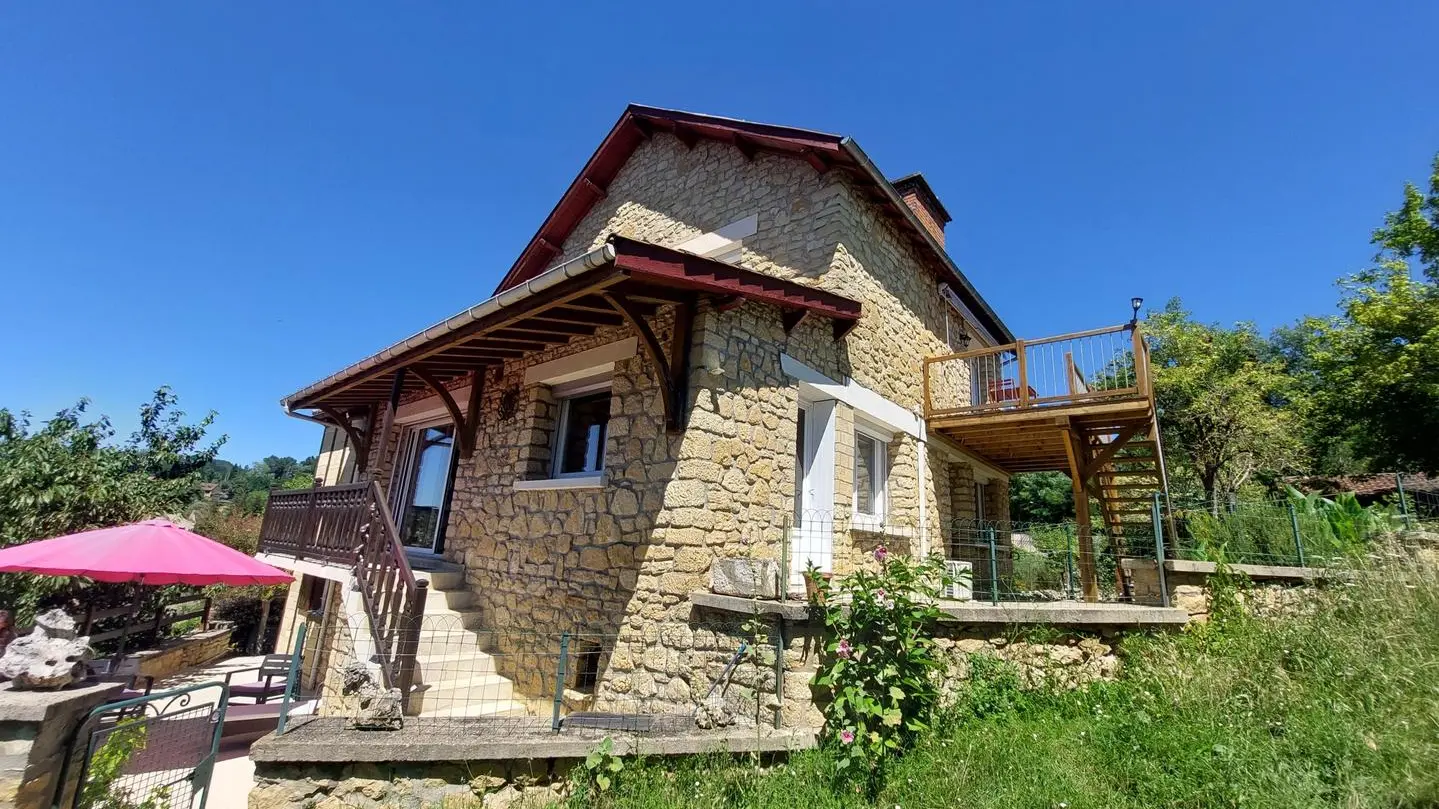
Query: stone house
x,y
713,348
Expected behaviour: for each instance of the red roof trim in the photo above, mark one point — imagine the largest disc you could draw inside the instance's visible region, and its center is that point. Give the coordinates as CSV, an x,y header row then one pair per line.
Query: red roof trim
x,y
662,266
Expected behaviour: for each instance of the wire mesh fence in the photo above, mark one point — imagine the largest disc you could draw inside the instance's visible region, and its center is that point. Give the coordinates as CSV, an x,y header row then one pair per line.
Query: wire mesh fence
x,y
1001,560
668,676
152,751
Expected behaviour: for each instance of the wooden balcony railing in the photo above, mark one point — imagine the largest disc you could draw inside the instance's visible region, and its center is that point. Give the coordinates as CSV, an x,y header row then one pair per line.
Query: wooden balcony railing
x,y
1070,369
351,525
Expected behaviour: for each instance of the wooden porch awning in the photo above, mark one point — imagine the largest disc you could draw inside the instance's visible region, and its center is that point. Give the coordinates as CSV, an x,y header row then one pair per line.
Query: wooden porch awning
x,y
622,282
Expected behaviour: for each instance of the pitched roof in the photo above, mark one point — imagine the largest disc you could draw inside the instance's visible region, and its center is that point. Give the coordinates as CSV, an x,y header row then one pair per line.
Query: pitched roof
x,y
822,150
567,301
1365,485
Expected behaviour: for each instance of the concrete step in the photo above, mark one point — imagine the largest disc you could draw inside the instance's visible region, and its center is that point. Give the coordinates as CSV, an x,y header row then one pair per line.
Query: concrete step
x,y
511,708
451,666
439,601
443,579
479,691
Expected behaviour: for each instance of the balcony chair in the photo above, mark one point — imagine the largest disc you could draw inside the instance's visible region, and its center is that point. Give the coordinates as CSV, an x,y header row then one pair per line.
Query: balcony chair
x,y
273,678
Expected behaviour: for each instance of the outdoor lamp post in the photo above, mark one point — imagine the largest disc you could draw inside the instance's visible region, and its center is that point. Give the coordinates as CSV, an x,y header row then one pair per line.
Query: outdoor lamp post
x,y
1135,303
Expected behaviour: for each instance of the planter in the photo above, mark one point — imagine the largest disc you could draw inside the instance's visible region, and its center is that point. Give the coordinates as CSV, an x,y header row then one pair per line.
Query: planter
x,y
812,591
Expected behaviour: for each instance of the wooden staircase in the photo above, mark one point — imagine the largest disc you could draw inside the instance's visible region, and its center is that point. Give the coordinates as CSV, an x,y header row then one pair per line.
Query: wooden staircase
x,y
1125,482
1080,403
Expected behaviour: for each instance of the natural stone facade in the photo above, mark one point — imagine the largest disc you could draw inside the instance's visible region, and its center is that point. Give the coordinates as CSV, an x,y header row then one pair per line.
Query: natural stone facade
x,y
619,560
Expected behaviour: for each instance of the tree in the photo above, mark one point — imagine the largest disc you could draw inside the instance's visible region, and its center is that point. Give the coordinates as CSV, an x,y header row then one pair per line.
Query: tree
x,y
1379,361
67,476
1227,409
1041,497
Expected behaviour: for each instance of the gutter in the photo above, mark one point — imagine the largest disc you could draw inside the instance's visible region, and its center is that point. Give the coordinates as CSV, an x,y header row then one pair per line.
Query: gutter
x,y
594,259
996,327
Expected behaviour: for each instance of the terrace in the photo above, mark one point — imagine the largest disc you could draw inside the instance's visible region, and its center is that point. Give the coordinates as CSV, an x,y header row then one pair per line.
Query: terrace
x,y
1079,403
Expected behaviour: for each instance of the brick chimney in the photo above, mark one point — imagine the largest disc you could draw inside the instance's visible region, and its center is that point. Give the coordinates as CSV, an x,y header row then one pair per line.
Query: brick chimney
x,y
920,198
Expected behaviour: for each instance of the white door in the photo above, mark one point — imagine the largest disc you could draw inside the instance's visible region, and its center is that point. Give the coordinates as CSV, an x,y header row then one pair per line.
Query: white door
x,y
812,532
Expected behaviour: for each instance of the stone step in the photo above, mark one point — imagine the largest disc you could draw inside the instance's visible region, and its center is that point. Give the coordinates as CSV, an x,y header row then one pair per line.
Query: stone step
x,y
510,708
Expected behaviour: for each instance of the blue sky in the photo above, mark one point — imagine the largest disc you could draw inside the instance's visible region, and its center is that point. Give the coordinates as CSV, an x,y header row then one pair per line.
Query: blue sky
x,y
238,199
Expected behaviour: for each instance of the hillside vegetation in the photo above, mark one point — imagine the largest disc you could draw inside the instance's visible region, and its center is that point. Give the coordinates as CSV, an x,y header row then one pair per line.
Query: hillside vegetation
x,y
1334,707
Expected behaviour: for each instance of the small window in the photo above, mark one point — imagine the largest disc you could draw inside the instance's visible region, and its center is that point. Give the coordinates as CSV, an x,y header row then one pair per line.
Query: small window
x,y
587,667
580,439
869,477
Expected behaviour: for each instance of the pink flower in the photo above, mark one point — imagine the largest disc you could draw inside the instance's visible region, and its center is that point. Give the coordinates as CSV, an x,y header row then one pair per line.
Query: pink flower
x,y
881,553
844,650
846,736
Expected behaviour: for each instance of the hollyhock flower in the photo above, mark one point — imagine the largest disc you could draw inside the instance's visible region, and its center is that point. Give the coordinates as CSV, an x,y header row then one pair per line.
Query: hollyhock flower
x,y
880,554
844,650
846,736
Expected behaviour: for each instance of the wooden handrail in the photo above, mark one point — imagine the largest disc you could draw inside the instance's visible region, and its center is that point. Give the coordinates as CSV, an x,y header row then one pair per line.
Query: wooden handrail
x,y
394,599
987,350
351,525
1042,373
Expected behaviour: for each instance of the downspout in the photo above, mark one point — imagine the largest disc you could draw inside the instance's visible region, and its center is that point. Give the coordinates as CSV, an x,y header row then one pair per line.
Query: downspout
x,y
921,467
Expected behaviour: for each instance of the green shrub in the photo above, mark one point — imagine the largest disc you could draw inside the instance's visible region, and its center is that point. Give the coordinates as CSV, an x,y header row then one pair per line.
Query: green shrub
x,y
880,664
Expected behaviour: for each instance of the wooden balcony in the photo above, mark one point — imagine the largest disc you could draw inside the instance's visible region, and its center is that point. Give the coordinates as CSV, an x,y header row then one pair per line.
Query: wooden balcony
x,y
1016,405
350,526
1078,403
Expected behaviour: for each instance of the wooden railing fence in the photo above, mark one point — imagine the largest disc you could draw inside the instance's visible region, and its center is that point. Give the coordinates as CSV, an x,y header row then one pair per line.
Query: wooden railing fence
x,y
351,525
1088,366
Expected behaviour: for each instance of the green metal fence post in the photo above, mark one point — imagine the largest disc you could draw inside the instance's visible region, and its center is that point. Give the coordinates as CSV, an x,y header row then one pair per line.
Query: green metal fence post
x,y
560,682
1298,538
293,682
1403,501
1069,560
1159,553
993,571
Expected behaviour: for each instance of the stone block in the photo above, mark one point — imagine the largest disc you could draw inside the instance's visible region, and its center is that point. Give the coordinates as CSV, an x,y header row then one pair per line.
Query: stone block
x,y
748,578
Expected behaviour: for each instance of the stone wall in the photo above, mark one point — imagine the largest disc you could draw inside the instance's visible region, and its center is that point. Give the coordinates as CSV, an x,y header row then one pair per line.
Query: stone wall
x,y
35,729
1269,588
178,654
619,560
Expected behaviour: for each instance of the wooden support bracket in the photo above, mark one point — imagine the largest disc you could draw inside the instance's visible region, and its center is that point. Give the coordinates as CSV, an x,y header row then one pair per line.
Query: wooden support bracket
x,y
356,440
791,318
664,368
463,434
472,413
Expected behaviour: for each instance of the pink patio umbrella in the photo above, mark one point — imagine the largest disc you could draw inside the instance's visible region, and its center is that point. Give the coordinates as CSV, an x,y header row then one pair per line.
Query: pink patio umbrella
x,y
153,552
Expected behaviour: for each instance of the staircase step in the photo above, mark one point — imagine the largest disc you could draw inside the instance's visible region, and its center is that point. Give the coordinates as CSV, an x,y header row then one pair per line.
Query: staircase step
x,y
440,601
443,579
509,708
478,690
454,666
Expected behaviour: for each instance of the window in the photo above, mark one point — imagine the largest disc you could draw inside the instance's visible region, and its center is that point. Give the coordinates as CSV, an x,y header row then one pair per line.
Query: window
x,y
580,439
424,478
869,476
587,670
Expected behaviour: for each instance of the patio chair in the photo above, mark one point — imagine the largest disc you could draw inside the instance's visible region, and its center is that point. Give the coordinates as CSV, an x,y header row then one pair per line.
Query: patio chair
x,y
273,678
126,672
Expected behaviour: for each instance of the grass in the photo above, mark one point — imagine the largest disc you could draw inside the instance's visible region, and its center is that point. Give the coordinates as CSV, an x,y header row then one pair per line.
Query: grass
x,y
1337,707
